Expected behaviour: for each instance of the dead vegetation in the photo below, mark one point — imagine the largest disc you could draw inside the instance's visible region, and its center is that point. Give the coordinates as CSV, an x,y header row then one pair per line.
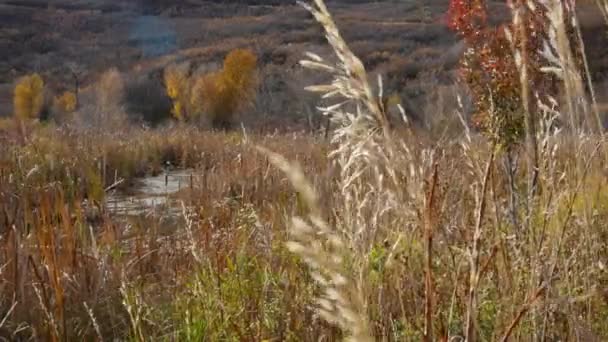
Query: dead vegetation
x,y
398,227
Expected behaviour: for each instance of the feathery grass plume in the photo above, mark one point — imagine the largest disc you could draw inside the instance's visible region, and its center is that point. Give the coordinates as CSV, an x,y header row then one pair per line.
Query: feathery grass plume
x,y
603,7
28,98
136,308
559,54
374,165
363,147
94,321
325,253
350,80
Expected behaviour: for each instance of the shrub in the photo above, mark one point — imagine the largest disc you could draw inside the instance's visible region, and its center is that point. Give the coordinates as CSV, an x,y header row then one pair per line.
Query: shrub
x,y
64,107
66,102
29,97
489,63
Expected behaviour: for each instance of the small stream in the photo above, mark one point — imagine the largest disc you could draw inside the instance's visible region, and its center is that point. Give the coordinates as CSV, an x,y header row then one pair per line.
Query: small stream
x,y
150,195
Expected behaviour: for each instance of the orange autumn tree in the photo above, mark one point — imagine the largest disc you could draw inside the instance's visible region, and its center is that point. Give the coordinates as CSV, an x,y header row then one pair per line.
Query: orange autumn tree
x,y
215,96
222,94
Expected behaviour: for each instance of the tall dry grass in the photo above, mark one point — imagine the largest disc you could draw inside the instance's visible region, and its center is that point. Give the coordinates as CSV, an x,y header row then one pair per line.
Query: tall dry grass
x,y
73,270
393,235
484,238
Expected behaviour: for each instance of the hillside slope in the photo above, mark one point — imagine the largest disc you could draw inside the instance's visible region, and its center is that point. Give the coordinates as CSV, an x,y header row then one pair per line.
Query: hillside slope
x,y
407,40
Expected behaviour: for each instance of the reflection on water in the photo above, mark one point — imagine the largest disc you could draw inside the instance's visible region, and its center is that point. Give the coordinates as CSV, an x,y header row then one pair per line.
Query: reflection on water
x,y
150,194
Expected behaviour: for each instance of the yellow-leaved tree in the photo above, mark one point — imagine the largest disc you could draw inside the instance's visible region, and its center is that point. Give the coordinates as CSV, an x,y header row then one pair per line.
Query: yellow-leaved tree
x,y
235,87
177,83
28,98
66,102
219,95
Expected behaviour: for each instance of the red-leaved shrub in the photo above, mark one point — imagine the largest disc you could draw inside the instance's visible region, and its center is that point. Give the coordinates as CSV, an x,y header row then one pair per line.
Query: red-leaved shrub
x,y
489,66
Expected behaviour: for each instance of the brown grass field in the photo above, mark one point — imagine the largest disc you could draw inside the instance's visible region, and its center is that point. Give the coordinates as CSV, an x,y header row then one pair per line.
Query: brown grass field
x,y
396,220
